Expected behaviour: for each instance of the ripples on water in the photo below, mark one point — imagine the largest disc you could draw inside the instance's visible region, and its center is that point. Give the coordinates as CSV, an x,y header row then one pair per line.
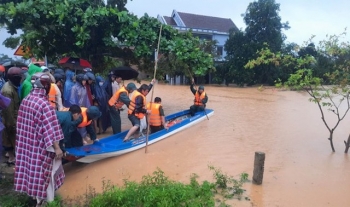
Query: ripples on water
x,y
300,169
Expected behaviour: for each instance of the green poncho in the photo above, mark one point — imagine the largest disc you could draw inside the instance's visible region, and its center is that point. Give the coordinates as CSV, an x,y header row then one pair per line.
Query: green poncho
x,y
27,85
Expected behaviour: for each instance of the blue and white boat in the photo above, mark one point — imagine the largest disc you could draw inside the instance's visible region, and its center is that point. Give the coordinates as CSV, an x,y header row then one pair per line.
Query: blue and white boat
x,y
114,146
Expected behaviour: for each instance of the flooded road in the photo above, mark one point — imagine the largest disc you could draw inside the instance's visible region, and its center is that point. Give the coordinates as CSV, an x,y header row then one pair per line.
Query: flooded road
x,y
300,168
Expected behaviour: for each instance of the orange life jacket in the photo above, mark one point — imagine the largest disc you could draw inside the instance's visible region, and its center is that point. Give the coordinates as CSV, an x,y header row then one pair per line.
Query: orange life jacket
x,y
154,118
198,98
132,104
52,96
85,121
114,100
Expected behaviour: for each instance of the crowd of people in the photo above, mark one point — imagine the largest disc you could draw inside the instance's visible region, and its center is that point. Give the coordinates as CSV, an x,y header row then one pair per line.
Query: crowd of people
x,y
45,111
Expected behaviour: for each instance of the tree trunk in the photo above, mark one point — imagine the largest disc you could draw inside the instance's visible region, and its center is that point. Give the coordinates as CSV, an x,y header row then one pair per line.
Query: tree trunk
x,y
331,140
347,145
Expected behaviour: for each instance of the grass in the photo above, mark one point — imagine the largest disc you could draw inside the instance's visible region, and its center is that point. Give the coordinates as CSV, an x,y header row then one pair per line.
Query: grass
x,y
153,191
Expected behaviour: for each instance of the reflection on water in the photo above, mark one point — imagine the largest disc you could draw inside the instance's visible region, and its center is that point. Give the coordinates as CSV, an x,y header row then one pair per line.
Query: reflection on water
x,y
300,169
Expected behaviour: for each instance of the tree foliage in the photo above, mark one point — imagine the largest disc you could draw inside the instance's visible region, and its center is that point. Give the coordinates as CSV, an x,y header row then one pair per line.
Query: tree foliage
x,y
264,29
93,30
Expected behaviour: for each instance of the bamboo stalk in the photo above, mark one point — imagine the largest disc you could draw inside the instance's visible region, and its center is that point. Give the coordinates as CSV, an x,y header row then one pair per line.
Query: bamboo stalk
x,y
154,77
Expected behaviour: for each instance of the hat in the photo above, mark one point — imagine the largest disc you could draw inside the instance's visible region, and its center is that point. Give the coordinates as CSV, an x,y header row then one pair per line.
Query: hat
x,y
93,112
131,86
201,88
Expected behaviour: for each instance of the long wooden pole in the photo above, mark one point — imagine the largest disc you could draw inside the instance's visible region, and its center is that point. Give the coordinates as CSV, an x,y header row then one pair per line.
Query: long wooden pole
x,y
154,77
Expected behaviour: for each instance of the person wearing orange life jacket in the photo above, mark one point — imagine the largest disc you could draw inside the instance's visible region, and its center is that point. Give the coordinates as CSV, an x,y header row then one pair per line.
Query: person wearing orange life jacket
x,y
156,118
116,102
69,119
200,99
86,127
54,96
137,108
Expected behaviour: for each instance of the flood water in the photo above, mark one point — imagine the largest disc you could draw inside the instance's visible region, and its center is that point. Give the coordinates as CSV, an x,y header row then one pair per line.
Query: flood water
x,y
300,168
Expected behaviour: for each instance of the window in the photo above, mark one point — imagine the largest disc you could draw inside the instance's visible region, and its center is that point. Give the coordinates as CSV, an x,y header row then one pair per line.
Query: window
x,y
219,50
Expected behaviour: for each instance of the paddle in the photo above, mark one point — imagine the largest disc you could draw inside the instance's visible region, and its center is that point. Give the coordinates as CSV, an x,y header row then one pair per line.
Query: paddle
x,y
195,87
154,77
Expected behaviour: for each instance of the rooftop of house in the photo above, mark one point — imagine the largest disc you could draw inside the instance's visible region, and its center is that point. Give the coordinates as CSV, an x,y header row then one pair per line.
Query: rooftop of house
x,y
203,22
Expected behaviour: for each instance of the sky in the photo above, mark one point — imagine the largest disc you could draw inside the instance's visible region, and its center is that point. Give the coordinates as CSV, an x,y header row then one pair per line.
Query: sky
x,y
305,17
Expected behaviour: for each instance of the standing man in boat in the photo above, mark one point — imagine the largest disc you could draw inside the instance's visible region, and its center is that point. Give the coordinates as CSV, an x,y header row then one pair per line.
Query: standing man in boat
x,y
137,108
116,103
200,99
39,170
156,118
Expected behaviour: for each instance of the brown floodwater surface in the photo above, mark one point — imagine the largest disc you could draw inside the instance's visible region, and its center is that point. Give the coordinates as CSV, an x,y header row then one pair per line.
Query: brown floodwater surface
x,y
300,168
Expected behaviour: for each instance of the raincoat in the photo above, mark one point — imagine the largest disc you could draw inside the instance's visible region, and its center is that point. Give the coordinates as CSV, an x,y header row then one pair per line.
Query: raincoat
x,y
101,97
79,96
68,88
26,86
37,130
9,115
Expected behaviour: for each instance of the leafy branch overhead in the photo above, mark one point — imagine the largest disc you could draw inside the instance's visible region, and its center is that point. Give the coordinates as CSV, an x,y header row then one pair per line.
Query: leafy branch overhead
x,y
93,30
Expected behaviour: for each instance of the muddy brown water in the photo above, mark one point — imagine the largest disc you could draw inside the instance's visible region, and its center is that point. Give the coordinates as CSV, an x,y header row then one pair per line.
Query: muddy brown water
x,y
300,169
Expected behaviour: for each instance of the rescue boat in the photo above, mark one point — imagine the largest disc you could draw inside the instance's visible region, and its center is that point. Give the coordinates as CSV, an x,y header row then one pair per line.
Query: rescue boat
x,y
114,146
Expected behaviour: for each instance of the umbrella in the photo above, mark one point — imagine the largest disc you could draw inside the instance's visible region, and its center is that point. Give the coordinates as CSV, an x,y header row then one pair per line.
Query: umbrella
x,y
74,63
125,72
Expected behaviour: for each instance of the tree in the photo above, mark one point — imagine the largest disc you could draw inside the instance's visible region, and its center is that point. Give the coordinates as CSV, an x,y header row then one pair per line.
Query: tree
x,y
119,3
142,36
264,27
326,97
238,54
264,24
94,31
55,28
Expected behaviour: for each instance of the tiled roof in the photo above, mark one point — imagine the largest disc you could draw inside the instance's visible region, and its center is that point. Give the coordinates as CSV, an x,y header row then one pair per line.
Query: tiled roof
x,y
169,21
206,22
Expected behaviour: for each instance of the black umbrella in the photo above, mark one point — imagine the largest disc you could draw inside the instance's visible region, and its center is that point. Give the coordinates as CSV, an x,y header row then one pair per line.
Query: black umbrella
x,y
125,72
